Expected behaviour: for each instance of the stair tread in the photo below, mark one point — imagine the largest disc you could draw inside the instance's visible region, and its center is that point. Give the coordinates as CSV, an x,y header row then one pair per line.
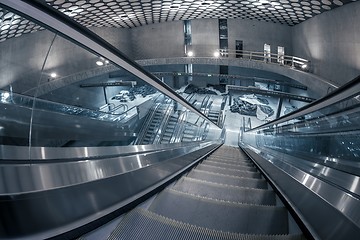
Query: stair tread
x,y
152,226
220,215
231,172
225,192
230,166
227,179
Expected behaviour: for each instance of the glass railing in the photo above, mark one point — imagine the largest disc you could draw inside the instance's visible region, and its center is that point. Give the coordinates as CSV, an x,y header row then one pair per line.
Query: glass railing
x,y
325,132
66,87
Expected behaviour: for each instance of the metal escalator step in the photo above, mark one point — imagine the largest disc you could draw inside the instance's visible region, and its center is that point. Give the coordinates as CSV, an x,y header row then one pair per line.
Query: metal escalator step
x,y
140,224
225,192
231,172
230,166
221,215
228,180
234,161
229,157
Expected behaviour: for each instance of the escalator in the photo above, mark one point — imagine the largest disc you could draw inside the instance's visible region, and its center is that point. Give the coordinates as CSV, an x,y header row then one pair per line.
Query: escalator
x,y
213,115
223,197
170,128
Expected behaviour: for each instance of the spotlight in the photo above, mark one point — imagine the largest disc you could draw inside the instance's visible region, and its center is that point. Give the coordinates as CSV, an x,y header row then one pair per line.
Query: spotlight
x,y
53,75
190,53
304,66
216,54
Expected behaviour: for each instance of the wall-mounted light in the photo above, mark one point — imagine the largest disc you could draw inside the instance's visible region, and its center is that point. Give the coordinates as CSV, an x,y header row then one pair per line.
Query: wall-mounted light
x,y
190,53
216,54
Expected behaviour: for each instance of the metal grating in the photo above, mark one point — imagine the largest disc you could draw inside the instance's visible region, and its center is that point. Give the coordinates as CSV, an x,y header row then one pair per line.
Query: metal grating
x,y
134,13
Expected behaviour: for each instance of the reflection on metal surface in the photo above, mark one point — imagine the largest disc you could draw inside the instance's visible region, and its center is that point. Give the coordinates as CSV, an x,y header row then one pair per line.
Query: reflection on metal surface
x,y
77,153
83,191
44,176
337,212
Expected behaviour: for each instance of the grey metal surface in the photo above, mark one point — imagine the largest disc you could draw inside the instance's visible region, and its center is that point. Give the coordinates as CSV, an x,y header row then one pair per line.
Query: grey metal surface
x,y
152,226
8,152
342,179
231,172
21,178
61,197
225,192
221,215
229,165
327,211
228,180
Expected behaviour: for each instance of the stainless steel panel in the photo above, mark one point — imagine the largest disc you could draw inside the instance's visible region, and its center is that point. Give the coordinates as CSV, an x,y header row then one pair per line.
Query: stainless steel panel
x,y
21,178
57,210
76,153
327,211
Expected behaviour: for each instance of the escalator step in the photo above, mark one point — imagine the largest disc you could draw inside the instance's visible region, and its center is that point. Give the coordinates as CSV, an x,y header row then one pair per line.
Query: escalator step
x,y
229,157
231,172
231,161
226,179
229,165
141,224
221,215
225,192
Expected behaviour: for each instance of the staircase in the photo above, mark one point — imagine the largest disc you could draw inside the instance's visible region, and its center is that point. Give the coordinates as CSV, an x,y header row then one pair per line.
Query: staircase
x,y
224,197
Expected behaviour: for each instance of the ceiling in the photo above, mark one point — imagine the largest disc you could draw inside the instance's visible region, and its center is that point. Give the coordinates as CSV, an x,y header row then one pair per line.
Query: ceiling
x,y
134,13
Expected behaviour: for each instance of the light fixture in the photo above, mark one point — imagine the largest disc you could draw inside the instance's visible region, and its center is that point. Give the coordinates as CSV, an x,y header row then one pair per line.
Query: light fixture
x,y
53,75
216,54
99,63
304,66
190,53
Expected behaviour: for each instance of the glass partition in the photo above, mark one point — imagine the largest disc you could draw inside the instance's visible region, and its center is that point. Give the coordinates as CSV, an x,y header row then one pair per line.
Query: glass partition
x,y
329,135
55,93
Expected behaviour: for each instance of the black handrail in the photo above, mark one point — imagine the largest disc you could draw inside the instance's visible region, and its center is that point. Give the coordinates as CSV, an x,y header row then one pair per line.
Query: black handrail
x,y
43,14
347,90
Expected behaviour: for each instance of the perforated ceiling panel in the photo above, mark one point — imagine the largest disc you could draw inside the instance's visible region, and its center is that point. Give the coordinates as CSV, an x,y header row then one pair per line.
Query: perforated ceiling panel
x,y
134,13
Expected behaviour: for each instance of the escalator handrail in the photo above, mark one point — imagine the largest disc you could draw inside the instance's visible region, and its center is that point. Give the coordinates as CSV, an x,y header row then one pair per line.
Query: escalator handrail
x,y
346,91
43,14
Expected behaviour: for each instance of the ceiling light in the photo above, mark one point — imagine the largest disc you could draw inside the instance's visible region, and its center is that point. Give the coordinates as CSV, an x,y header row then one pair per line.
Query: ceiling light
x,y
99,63
53,75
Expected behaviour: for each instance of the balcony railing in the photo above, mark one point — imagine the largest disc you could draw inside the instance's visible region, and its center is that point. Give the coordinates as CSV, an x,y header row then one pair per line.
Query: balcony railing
x,y
285,60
